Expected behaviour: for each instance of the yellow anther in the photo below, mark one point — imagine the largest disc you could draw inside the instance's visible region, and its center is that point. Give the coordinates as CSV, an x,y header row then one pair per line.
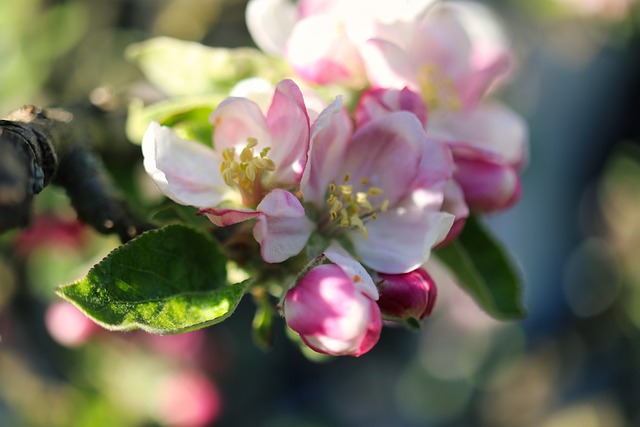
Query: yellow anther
x,y
269,164
264,163
244,171
437,89
246,155
344,218
250,171
265,151
228,154
346,189
375,191
227,176
351,209
356,221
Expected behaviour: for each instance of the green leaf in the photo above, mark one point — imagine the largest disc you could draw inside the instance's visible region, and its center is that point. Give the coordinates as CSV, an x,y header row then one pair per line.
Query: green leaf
x,y
181,68
483,269
188,116
165,281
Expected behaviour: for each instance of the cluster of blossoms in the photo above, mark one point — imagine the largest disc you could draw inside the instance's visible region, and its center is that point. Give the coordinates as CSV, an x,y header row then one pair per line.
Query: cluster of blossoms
x,y
375,189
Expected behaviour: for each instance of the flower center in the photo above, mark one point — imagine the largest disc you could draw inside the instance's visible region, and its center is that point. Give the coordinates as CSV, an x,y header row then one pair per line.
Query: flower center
x,y
349,209
245,173
437,89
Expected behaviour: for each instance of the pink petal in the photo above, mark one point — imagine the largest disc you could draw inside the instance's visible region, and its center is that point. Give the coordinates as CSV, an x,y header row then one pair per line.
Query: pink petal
x,y
185,171
401,239
388,152
325,59
442,42
270,22
488,186
289,126
223,217
491,130
389,66
377,102
330,134
436,166
237,119
455,204
353,269
282,229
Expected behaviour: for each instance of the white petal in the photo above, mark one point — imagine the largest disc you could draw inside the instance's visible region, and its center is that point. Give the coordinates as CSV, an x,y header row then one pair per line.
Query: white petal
x,y
185,171
270,23
358,274
491,128
401,239
282,228
330,134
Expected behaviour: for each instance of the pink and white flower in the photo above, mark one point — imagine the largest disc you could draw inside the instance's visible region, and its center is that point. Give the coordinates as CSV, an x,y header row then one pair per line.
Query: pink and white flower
x,y
488,142
322,39
380,187
450,55
252,155
333,307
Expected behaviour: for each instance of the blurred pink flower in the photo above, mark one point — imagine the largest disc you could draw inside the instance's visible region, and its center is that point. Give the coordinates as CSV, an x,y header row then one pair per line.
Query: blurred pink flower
x,y
333,308
189,399
67,325
48,230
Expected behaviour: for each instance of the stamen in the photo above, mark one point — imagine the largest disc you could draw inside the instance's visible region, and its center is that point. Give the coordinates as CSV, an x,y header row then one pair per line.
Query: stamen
x,y
243,173
375,191
353,209
437,89
346,189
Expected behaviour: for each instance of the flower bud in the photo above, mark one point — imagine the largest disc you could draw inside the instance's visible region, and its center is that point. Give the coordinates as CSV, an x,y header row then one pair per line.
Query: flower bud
x,y
488,186
331,314
406,296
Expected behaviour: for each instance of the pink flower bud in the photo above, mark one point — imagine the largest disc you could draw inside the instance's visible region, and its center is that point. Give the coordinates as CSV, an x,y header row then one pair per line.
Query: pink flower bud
x,y
488,186
408,295
189,399
331,314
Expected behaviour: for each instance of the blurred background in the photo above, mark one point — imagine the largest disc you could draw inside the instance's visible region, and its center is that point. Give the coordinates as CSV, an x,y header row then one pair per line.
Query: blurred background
x,y
574,361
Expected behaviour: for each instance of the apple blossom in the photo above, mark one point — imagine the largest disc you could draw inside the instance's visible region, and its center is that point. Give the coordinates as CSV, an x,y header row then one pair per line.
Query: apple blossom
x,y
252,154
333,307
378,189
488,142
408,295
322,39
